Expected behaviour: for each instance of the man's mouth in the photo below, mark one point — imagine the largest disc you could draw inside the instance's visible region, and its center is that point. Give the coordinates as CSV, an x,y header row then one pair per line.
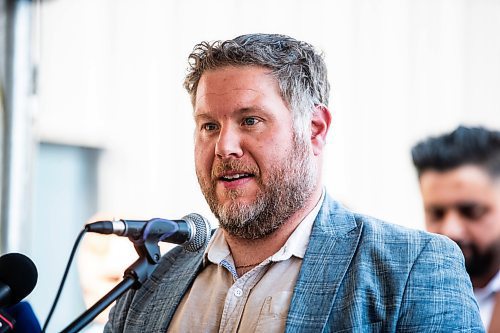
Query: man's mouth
x,y
236,176
234,172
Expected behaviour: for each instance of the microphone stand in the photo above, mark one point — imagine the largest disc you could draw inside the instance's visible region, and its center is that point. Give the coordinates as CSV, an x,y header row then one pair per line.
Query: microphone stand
x,y
134,277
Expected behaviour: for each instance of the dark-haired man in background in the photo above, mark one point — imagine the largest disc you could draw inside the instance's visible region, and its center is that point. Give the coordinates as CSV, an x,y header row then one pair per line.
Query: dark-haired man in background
x,y
287,256
459,175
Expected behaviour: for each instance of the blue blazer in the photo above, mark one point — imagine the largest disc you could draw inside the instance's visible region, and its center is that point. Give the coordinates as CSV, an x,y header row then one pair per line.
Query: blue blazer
x,y
359,274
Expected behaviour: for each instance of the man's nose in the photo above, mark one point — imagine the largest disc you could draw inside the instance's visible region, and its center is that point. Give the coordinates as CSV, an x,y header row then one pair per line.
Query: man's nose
x,y
228,143
453,226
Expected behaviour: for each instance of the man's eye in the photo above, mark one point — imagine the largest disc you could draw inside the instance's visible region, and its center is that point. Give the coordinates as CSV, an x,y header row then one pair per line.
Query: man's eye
x,y
472,211
435,214
250,121
209,127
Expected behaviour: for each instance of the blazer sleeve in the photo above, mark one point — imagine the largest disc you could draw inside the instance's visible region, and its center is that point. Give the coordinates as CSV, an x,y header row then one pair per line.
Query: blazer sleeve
x,y
438,294
116,319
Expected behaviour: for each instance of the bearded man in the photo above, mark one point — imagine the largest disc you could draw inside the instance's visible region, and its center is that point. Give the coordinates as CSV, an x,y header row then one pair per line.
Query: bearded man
x,y
287,257
459,176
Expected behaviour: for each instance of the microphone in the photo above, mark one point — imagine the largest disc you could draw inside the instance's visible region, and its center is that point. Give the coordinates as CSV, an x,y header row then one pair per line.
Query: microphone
x,y
18,277
191,232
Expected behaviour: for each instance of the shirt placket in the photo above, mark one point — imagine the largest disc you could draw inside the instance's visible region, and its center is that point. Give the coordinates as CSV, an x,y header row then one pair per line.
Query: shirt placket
x,y
237,297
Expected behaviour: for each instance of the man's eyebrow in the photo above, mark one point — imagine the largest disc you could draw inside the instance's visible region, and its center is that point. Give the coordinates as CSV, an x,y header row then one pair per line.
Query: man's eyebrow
x,y
249,109
202,115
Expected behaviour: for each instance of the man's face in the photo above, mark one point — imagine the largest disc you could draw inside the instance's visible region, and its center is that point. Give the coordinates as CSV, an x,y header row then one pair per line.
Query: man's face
x,y
252,169
464,204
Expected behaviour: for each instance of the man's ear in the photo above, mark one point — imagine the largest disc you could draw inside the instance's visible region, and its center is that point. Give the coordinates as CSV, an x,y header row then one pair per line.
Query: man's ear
x,y
320,123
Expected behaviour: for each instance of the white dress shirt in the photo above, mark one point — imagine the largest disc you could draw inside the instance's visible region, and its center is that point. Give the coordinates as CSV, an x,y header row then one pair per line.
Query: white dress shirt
x,y
486,298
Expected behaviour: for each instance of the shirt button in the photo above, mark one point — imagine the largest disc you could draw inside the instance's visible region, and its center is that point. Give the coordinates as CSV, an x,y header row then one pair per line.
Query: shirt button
x,y
238,292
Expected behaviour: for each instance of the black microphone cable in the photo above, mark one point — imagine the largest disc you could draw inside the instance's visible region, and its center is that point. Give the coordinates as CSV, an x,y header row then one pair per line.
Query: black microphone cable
x,y
63,280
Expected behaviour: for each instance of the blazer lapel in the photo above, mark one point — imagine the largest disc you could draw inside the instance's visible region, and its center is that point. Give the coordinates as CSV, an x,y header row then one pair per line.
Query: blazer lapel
x,y
332,244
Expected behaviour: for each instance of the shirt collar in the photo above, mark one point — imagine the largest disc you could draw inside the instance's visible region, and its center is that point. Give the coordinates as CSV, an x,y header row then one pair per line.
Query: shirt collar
x,y
492,287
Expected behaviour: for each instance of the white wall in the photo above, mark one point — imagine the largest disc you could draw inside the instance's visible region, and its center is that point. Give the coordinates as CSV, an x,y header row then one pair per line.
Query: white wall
x,y
111,75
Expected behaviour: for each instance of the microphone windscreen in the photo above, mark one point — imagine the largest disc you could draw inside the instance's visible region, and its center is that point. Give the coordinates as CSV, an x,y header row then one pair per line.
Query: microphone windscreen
x,y
19,273
26,320
202,232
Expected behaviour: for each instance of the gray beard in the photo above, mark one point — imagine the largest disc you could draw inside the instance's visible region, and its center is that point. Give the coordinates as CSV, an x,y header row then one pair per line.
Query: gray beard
x,y
289,186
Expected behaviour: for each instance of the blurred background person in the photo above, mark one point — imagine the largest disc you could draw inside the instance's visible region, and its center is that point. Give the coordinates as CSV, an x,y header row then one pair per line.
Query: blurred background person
x,y
102,261
459,176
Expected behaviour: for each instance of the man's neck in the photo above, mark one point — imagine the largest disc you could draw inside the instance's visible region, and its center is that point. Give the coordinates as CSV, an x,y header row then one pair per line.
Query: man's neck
x,y
253,251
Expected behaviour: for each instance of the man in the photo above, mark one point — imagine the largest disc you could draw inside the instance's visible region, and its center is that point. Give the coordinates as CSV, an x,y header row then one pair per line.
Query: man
x,y
287,257
459,175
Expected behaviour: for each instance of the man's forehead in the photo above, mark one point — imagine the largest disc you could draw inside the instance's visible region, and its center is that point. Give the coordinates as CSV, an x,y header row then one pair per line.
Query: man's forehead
x,y
462,175
230,91
236,77
450,195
